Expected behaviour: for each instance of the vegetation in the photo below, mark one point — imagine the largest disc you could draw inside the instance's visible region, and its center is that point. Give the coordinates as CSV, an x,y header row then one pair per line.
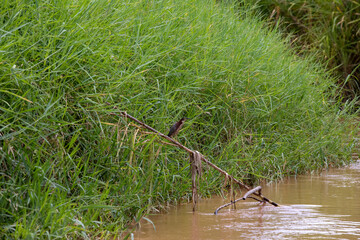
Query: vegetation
x,y
331,29
70,169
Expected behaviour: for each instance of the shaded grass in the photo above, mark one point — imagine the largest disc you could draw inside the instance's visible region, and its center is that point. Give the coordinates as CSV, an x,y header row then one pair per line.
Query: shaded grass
x,y
330,29
69,169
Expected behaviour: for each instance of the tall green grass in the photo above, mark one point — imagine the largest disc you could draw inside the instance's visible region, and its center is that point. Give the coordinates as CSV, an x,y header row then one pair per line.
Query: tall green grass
x,y
69,169
330,29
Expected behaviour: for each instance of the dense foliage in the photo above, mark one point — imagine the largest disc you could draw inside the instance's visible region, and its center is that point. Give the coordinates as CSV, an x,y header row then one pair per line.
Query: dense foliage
x,y
70,169
331,29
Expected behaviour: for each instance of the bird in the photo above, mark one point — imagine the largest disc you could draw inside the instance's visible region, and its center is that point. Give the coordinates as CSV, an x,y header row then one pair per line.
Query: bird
x,y
176,127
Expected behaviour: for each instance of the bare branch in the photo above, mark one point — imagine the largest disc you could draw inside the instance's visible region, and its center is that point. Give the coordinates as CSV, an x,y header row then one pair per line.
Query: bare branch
x,y
252,191
240,183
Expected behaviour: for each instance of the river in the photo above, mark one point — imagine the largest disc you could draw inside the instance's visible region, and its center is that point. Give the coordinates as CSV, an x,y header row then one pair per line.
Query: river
x,y
325,206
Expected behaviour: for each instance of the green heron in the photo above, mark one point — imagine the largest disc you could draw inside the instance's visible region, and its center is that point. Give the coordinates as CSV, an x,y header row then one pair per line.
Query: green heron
x,y
176,127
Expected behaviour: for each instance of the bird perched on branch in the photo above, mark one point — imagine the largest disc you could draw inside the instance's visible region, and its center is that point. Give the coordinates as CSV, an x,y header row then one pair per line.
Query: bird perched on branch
x,y
176,127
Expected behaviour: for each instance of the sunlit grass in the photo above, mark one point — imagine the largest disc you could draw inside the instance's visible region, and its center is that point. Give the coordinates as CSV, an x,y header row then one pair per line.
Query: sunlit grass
x,y
69,169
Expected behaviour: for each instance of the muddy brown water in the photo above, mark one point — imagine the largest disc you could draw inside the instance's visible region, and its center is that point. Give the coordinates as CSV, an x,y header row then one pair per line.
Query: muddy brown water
x,y
325,206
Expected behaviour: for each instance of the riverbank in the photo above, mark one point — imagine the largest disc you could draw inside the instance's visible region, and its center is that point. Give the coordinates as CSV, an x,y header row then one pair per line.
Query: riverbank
x,y
69,168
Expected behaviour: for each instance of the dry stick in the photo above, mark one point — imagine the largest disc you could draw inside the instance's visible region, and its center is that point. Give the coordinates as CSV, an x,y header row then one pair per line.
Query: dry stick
x,y
193,180
252,191
233,202
195,163
241,185
232,193
246,195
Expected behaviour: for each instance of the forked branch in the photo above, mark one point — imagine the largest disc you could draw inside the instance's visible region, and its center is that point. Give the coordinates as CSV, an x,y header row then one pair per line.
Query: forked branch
x,y
240,183
246,195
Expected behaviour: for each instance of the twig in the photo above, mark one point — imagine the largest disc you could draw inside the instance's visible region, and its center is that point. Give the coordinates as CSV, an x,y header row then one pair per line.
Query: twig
x,y
246,195
233,202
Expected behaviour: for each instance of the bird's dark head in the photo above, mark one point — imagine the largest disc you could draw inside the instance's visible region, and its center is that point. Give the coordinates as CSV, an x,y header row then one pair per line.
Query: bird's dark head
x,y
176,127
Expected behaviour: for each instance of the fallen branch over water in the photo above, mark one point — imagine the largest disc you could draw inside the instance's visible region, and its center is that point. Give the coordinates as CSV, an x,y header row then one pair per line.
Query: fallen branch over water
x,y
252,191
228,176
233,202
246,195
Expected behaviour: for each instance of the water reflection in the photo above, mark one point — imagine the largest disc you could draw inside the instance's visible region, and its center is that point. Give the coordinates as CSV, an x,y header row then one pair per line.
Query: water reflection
x,y
312,207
